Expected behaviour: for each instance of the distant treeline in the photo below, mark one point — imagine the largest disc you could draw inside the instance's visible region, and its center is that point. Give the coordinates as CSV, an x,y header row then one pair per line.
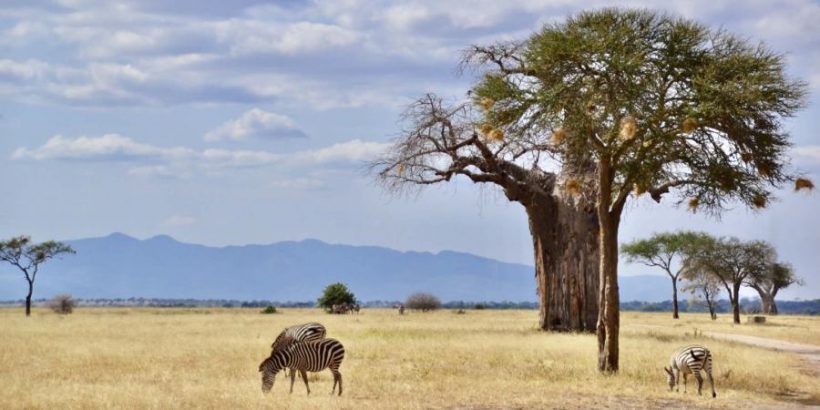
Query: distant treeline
x,y
749,306
798,307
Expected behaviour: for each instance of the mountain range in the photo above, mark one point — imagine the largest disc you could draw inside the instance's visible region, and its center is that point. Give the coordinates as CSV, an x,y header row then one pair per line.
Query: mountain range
x,y
120,266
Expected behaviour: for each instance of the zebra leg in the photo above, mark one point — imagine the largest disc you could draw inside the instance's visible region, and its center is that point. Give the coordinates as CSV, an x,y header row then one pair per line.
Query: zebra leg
x,y
337,377
292,379
711,382
677,379
304,377
685,376
700,382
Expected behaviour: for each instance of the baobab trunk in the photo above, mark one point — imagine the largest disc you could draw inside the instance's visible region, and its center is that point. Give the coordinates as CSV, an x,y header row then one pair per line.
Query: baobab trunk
x,y
566,263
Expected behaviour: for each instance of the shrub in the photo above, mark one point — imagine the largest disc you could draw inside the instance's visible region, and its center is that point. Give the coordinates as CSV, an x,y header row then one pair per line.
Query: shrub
x,y
336,294
423,301
63,304
269,310
480,306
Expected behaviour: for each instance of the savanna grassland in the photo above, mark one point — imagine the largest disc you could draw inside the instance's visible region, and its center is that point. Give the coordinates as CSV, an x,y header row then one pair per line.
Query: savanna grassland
x,y
208,358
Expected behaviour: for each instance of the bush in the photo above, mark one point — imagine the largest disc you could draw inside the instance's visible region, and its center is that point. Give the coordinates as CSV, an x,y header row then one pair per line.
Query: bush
x,y
63,304
423,301
269,310
480,306
336,294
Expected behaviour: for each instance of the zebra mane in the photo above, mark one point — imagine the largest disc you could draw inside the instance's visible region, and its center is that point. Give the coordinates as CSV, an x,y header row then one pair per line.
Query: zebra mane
x,y
692,352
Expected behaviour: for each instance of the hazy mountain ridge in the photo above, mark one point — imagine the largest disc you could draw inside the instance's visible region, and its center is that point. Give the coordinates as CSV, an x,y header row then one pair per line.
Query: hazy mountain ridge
x,y
119,266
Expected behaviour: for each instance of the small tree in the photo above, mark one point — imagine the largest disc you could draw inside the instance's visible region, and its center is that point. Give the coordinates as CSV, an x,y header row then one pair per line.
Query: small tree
x,y
777,276
423,301
336,294
702,283
663,251
28,257
63,304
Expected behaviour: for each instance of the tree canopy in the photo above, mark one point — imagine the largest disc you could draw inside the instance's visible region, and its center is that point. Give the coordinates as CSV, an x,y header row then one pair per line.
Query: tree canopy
x,y
336,294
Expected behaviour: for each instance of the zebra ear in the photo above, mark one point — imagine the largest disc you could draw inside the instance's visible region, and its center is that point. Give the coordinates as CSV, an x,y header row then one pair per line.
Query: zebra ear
x,y
667,370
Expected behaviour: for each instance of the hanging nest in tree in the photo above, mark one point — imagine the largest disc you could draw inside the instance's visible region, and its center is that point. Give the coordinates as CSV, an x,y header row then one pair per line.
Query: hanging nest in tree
x,y
760,201
572,186
558,136
629,127
689,125
746,157
694,202
487,103
803,183
496,135
765,170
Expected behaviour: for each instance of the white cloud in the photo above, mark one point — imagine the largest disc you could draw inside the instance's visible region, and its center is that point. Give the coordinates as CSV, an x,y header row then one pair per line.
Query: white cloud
x,y
256,123
183,162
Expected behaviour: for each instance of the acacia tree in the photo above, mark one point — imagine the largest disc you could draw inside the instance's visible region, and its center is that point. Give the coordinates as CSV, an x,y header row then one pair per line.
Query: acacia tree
x,y
662,251
771,280
658,104
734,263
28,257
442,141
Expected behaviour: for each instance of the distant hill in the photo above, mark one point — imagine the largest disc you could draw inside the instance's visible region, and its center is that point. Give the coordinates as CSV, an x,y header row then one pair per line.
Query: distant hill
x,y
119,266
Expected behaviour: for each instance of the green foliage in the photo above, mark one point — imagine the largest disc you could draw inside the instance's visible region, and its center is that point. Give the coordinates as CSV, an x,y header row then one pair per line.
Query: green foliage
x,y
480,306
705,106
661,249
268,310
336,294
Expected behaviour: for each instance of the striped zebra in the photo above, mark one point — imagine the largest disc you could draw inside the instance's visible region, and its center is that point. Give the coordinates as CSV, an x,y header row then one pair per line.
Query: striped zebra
x,y
313,356
298,333
690,359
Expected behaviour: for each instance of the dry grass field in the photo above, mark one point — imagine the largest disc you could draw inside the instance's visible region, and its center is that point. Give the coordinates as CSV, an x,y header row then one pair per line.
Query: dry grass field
x,y
208,358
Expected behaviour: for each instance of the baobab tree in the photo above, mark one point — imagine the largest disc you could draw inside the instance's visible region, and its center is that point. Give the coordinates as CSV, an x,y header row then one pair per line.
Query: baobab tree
x,y
665,251
444,141
652,104
28,257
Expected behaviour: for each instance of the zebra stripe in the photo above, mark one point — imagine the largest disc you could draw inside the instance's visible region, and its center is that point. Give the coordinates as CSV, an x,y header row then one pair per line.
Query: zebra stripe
x,y
690,359
298,333
313,356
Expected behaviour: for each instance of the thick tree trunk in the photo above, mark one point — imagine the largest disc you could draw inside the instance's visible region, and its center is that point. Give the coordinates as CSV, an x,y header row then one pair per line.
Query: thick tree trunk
x,y
28,298
674,298
609,305
566,264
767,305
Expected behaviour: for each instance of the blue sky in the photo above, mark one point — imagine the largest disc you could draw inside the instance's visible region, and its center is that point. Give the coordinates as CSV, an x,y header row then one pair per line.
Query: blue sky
x,y
248,122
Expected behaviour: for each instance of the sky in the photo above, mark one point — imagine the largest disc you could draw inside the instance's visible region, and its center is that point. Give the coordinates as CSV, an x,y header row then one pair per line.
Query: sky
x,y
249,121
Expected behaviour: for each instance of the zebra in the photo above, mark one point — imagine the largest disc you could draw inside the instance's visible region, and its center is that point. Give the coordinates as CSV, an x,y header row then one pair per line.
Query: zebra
x,y
690,359
313,356
298,333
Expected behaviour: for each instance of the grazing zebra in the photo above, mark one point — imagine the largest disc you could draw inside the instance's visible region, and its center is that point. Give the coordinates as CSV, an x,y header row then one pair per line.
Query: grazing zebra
x,y
313,356
690,359
298,333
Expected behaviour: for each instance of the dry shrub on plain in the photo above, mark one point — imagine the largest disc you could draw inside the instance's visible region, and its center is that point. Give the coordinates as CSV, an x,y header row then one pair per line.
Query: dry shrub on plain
x,y
199,358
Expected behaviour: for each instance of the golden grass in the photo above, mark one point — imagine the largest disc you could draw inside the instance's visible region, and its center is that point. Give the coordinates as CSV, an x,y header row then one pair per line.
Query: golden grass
x,y
208,358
